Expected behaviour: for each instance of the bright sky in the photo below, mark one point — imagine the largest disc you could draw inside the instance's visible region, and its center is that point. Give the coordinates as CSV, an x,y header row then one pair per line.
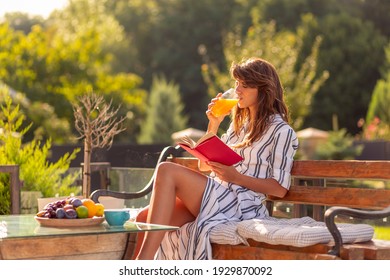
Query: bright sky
x,y
33,7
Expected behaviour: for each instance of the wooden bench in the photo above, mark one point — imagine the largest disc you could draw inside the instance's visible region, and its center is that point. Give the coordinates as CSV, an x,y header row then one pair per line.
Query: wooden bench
x,y
325,189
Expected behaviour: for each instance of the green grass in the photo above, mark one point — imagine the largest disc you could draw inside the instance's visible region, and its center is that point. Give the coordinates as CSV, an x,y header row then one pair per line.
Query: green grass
x,y
382,233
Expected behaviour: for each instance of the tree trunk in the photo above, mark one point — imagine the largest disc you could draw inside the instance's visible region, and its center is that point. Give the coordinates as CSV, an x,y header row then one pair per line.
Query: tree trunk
x,y
87,170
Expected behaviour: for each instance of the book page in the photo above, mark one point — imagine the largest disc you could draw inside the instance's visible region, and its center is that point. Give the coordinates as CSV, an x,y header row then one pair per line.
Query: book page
x,y
187,141
205,137
191,143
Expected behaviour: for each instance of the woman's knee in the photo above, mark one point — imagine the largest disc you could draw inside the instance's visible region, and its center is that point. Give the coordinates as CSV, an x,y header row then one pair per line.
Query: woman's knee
x,y
167,167
166,174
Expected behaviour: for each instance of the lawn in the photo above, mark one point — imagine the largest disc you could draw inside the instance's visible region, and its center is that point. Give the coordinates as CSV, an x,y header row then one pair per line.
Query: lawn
x,y
382,233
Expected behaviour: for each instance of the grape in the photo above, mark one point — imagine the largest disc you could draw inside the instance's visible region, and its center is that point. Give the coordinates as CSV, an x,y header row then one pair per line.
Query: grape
x,y
47,206
52,214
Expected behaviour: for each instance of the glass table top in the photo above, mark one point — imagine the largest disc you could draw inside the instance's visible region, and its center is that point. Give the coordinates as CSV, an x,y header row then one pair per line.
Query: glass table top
x,y
24,226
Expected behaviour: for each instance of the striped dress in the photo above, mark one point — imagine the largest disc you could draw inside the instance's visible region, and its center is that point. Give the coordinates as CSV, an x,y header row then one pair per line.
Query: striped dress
x,y
269,157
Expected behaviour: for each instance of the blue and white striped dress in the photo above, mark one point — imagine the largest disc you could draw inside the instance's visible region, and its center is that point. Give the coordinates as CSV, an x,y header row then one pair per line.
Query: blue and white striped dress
x,y
269,157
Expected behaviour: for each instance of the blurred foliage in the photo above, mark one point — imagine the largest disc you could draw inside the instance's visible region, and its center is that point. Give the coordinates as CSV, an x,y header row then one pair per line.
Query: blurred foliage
x,y
375,129
46,67
288,12
377,122
379,105
167,35
339,146
44,120
22,21
281,49
351,51
164,115
116,47
79,18
36,173
378,115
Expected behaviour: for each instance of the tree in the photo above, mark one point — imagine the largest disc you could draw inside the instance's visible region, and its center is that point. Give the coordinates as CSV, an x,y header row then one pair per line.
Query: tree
x,y
164,115
45,66
167,35
44,122
36,172
81,17
380,100
352,51
282,50
377,122
97,124
23,21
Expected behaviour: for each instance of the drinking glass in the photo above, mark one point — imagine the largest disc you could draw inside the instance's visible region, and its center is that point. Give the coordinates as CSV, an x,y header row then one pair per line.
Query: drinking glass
x,y
225,103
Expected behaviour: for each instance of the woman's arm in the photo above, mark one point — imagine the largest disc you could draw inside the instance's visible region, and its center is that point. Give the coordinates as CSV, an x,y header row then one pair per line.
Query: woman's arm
x,y
213,125
267,186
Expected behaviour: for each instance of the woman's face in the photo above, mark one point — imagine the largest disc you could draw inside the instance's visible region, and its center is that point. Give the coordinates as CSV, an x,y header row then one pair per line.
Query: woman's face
x,y
247,96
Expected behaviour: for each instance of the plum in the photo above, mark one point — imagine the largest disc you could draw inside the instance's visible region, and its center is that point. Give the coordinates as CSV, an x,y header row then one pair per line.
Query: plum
x,y
76,202
68,207
60,212
70,214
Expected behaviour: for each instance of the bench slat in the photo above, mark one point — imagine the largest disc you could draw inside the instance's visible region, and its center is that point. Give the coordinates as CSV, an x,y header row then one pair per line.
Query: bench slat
x,y
347,169
241,252
331,196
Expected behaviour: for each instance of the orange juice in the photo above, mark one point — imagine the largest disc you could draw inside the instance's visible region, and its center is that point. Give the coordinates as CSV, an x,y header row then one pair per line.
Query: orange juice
x,y
223,106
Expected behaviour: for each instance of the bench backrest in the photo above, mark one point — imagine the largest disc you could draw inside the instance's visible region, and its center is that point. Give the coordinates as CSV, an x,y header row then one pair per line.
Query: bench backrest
x,y
342,183
331,182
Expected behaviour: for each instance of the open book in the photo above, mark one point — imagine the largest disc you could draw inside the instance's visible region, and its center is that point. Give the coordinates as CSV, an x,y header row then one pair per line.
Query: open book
x,y
210,148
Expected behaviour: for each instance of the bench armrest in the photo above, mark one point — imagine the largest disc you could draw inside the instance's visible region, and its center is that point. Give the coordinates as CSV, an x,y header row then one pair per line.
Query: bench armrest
x,y
332,212
165,153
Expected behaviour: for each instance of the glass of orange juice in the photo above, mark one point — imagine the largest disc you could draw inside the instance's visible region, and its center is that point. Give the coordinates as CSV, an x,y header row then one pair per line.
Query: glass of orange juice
x,y
225,103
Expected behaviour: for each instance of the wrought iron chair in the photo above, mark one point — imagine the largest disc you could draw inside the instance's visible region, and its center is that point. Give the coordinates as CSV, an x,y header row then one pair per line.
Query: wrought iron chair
x,y
165,153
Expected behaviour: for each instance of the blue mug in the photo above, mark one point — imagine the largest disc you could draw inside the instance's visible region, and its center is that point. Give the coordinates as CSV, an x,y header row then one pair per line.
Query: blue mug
x,y
116,217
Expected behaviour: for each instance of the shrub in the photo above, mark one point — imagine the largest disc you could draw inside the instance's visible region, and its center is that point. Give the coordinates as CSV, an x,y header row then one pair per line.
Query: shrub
x,y
339,146
36,172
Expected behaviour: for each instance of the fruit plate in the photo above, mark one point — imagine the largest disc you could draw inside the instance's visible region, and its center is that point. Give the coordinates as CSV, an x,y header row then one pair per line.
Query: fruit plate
x,y
46,222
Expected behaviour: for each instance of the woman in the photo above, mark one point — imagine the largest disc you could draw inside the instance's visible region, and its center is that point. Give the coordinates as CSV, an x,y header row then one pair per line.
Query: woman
x,y
260,133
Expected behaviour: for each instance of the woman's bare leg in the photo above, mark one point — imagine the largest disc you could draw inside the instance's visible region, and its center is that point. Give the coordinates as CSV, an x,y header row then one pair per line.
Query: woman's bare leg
x,y
172,181
180,217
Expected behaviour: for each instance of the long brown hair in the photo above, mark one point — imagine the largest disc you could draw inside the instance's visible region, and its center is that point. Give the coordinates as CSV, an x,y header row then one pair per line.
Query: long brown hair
x,y
259,73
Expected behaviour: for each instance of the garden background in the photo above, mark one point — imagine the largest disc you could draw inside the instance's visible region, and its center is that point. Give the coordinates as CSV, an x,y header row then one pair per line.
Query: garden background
x,y
160,62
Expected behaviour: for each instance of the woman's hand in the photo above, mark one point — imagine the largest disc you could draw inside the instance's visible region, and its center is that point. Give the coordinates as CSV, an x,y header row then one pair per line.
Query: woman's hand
x,y
224,172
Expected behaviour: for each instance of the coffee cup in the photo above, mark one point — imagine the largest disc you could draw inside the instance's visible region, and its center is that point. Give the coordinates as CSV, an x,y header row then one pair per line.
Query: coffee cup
x,y
117,217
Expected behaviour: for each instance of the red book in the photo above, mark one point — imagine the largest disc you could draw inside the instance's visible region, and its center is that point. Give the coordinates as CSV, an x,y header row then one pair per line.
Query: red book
x,y
210,148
